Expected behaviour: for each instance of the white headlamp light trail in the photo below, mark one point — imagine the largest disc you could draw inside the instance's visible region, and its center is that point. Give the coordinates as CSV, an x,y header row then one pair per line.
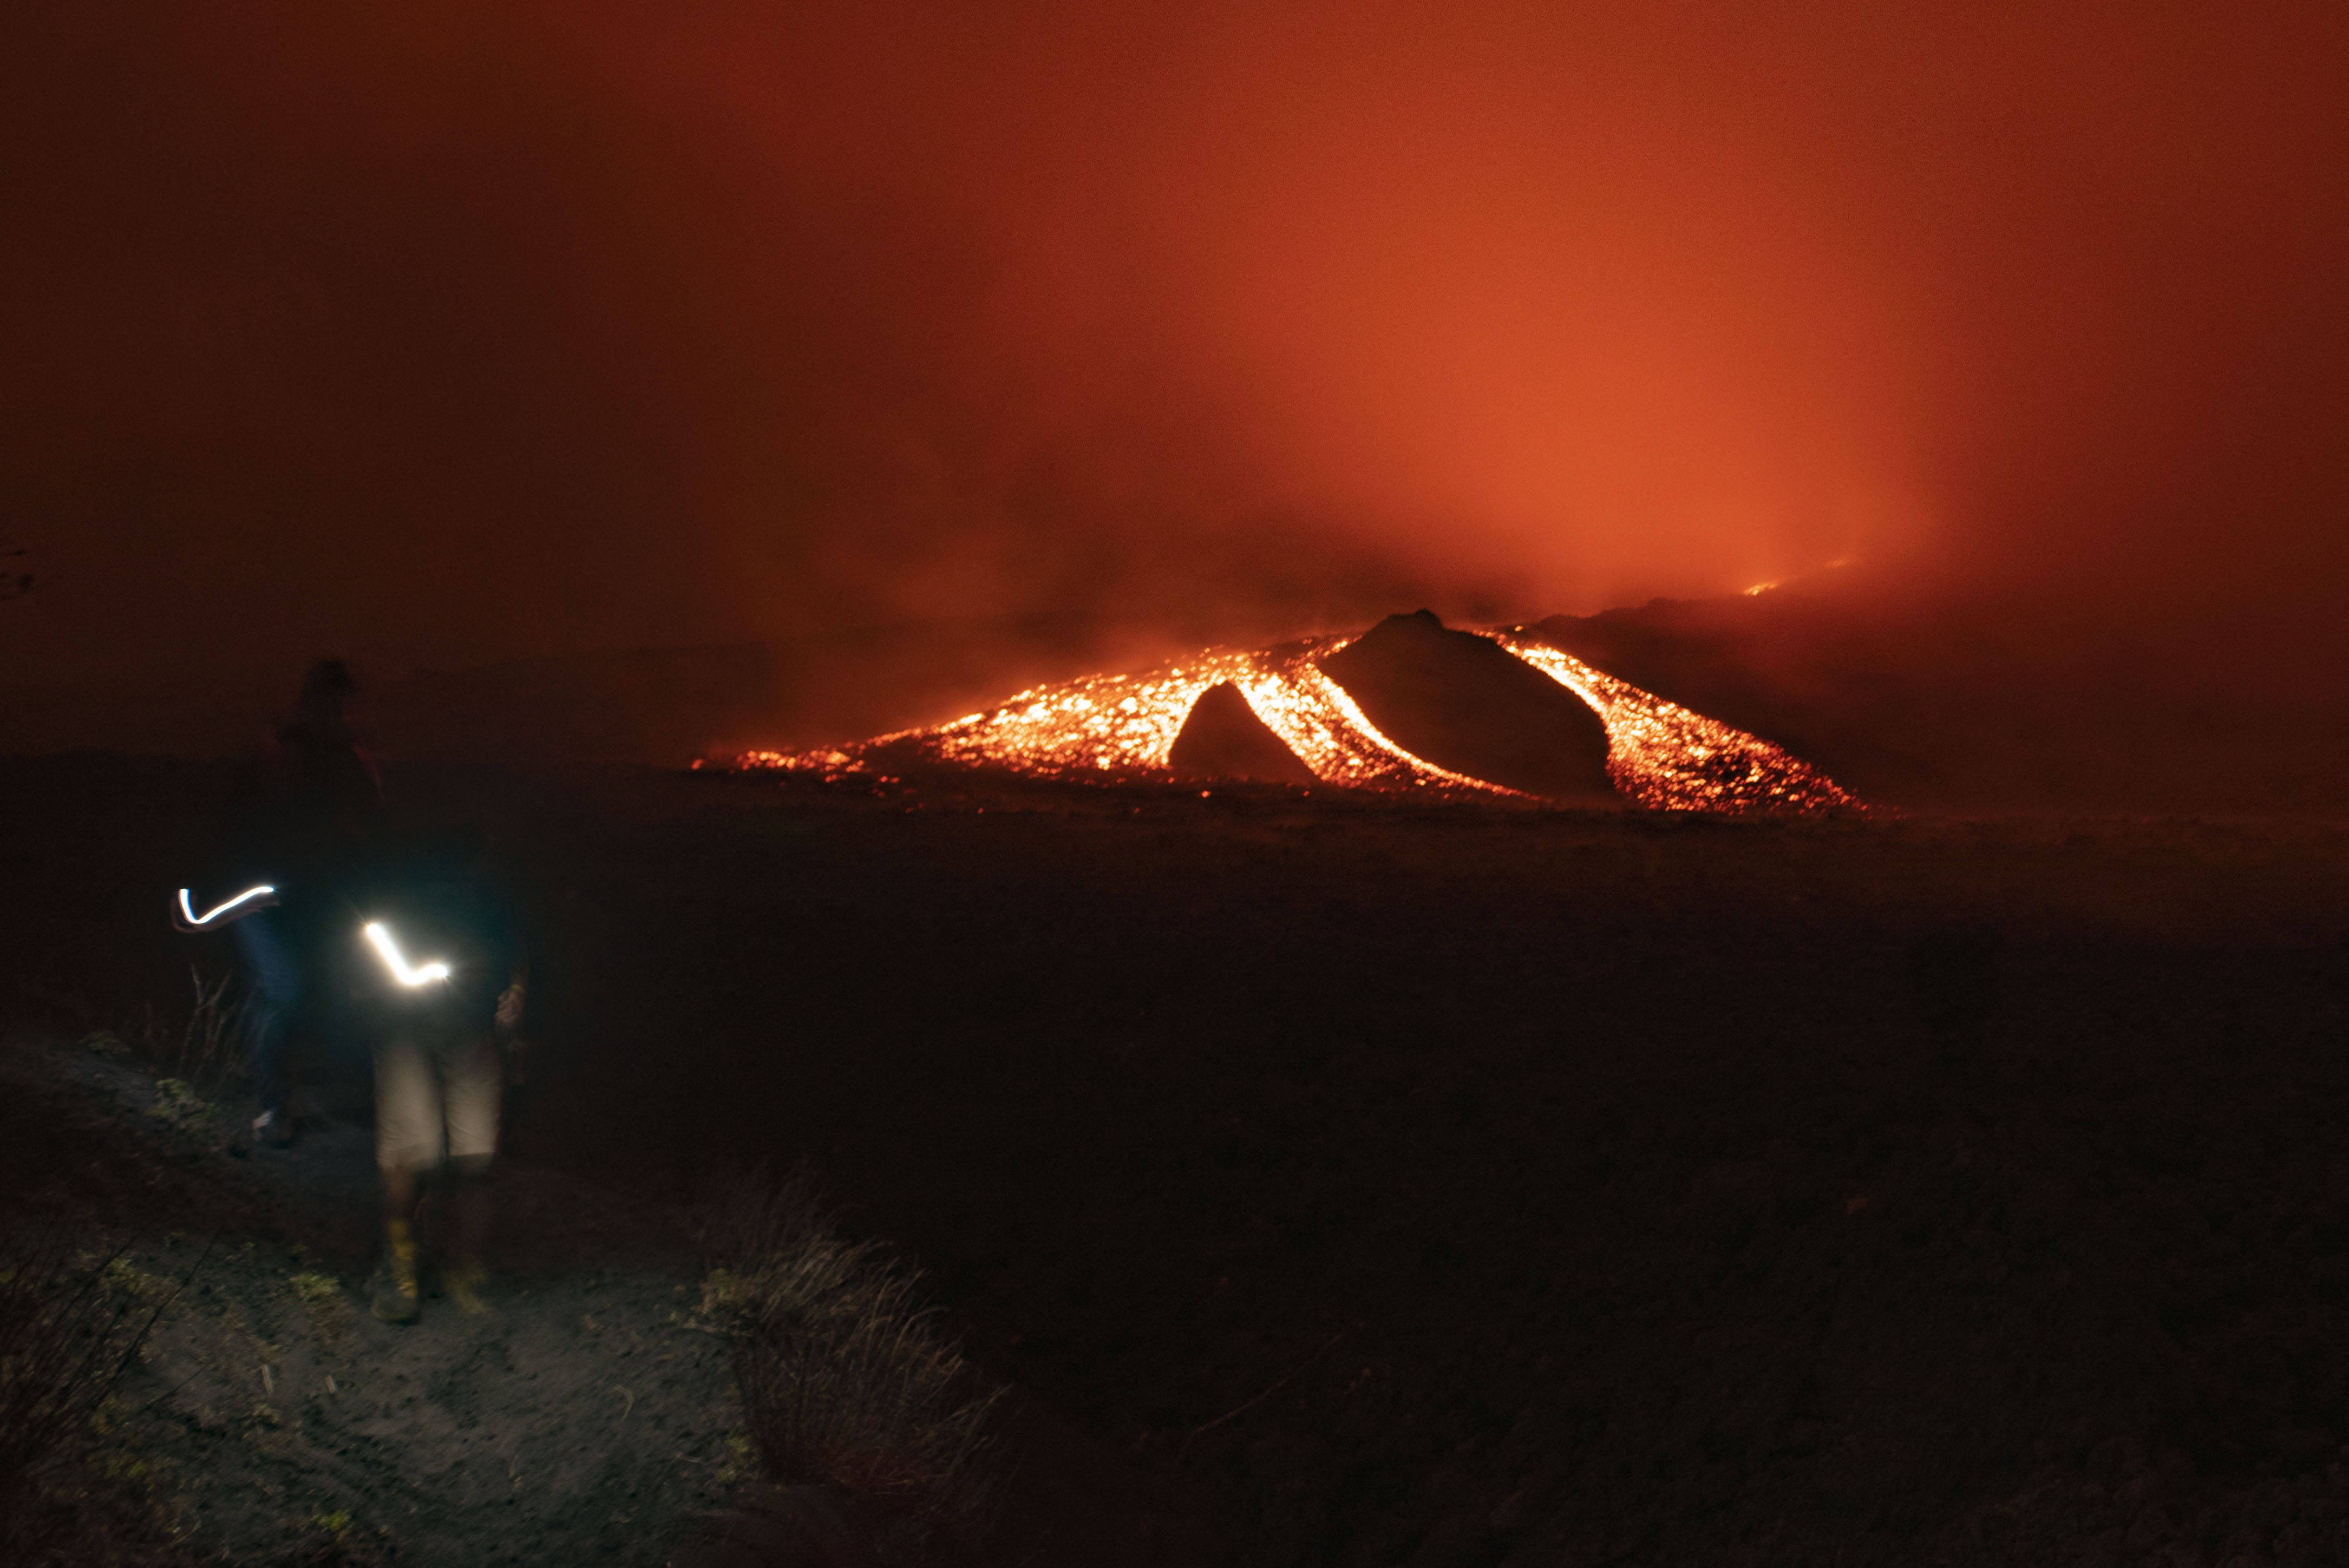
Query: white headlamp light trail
x,y
210,915
378,935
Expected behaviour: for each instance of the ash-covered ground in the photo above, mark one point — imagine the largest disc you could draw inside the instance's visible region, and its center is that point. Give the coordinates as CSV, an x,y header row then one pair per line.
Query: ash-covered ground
x,y
1458,1185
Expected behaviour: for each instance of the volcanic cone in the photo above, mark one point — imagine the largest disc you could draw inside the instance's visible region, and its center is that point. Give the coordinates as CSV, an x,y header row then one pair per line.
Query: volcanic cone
x,y
1224,738
1464,703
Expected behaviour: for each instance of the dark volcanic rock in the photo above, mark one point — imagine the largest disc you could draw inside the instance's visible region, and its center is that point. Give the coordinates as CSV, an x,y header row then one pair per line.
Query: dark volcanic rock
x,y
1465,703
1971,698
1224,738
1807,674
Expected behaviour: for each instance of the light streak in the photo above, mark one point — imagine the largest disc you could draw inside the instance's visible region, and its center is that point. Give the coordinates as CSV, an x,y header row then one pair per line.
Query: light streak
x,y
261,898
388,950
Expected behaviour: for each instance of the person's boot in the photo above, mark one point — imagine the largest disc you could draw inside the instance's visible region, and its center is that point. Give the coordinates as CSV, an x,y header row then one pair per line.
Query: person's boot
x,y
396,1297
470,1212
470,1200
273,1129
464,1283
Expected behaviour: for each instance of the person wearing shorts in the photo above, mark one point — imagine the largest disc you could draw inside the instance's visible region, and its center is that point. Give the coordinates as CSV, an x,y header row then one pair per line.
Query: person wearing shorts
x,y
444,986
437,1104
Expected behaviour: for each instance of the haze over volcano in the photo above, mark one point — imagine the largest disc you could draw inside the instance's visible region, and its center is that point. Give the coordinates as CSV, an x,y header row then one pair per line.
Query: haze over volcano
x,y
465,335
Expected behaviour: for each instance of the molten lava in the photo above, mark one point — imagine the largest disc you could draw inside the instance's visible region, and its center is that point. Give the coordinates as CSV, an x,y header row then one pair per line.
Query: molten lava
x,y
1660,754
1670,759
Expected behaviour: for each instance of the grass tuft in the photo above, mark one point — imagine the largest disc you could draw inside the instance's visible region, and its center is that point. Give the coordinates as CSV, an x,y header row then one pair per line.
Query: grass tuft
x,y
177,1102
68,1326
846,1379
201,1053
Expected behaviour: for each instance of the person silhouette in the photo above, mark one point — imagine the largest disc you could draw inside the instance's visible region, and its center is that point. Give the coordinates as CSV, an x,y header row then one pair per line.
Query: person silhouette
x,y
444,990
300,820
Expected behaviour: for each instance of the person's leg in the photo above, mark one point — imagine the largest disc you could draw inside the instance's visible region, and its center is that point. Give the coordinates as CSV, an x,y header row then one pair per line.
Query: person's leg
x,y
399,1197
407,1142
266,949
468,1203
471,1081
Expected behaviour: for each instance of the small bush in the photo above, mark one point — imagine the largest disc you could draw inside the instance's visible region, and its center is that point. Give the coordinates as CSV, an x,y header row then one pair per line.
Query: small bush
x,y
845,1379
177,1102
204,1050
211,1043
69,1328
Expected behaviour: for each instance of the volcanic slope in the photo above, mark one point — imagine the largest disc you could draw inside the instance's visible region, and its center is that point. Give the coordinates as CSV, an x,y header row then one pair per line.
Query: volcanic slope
x,y
1992,699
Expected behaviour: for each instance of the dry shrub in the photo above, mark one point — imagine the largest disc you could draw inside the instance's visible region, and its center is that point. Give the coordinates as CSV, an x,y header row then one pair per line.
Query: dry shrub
x,y
205,1049
846,1379
211,1042
69,1325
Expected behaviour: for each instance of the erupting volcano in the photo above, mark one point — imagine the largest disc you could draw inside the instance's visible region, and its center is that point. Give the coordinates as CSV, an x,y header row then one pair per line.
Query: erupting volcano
x,y
1481,720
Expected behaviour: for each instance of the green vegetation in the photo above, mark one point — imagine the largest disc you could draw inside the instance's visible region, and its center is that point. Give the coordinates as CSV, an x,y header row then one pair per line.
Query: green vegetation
x,y
314,1289
177,1102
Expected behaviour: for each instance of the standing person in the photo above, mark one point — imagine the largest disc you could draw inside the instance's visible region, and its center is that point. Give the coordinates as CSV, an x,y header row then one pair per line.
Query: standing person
x,y
445,989
305,814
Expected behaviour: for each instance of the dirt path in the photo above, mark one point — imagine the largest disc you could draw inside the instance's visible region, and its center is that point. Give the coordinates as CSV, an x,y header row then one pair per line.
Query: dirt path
x,y
586,1418
591,1416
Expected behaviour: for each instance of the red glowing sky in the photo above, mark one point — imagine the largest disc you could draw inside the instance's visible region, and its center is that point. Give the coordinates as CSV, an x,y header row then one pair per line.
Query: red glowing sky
x,y
451,332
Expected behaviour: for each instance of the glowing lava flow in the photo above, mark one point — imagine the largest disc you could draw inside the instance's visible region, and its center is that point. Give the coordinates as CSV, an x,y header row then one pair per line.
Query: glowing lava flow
x,y
1672,758
1316,719
1102,724
1659,754
1127,725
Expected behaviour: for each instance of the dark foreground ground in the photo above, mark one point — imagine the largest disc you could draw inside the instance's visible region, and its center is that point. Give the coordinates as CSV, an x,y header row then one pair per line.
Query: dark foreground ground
x,y
1454,1186
267,1418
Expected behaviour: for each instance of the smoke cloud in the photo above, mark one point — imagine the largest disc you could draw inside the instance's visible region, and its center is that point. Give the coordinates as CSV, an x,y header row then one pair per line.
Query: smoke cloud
x,y
438,334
